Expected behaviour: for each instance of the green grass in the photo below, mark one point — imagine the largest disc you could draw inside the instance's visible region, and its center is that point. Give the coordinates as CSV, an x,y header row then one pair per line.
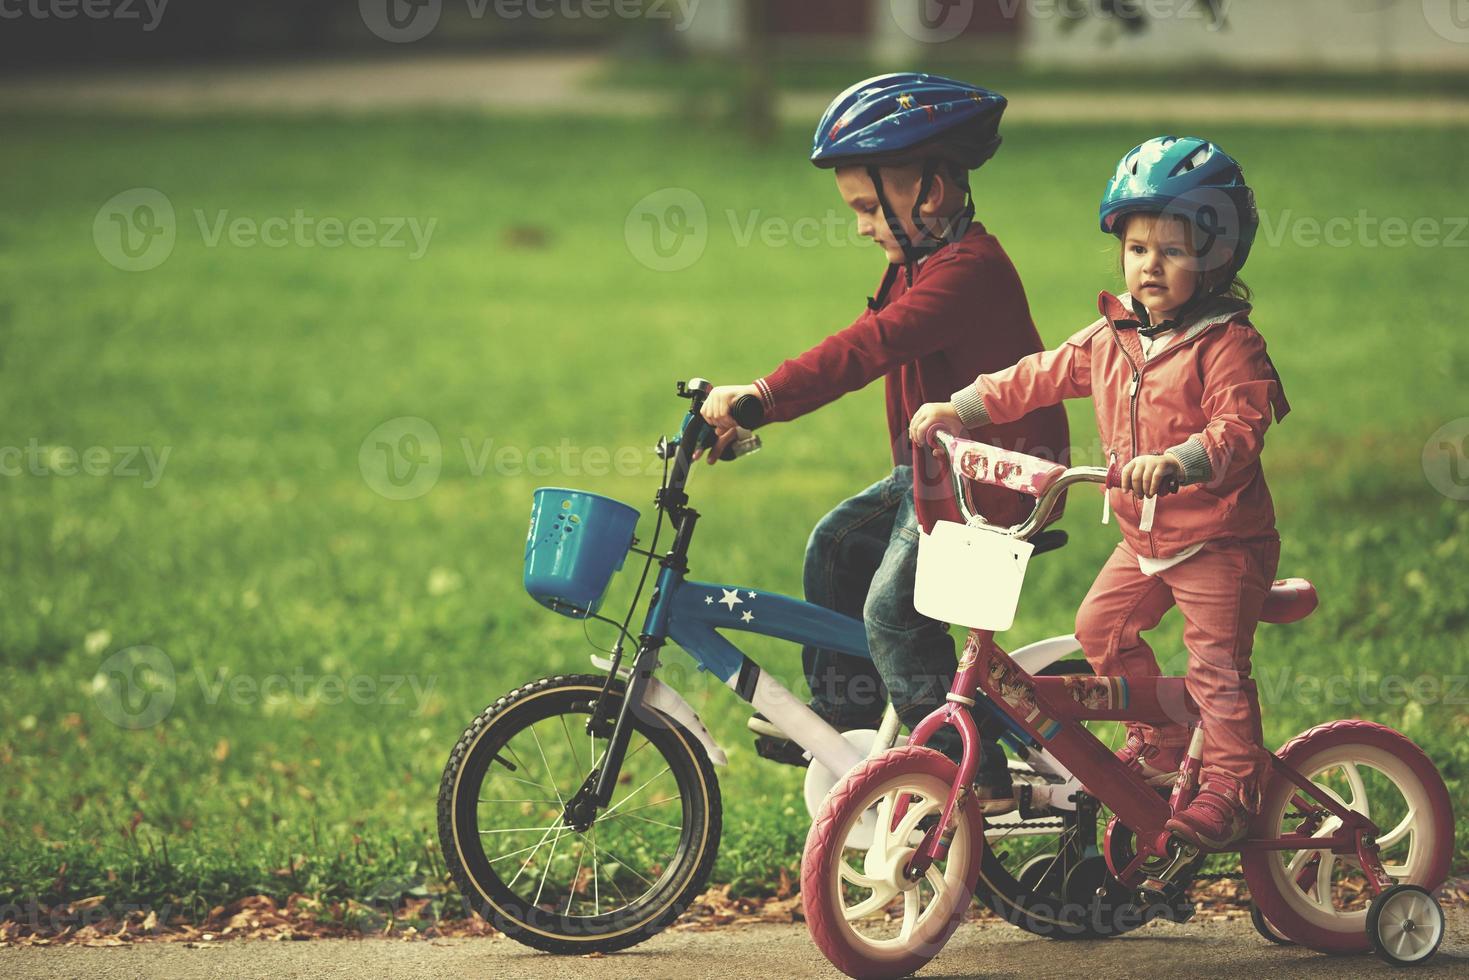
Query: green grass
x,y
262,550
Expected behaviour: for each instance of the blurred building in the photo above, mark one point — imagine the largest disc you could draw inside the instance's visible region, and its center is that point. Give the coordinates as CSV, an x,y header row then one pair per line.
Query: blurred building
x,y
1305,35
1292,35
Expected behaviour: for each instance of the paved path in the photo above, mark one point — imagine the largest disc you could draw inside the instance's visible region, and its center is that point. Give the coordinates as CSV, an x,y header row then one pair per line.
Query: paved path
x,y
766,952
536,83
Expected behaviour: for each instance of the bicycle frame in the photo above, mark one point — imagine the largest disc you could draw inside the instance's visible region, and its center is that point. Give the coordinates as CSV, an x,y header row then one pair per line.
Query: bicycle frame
x,y
1051,710
691,614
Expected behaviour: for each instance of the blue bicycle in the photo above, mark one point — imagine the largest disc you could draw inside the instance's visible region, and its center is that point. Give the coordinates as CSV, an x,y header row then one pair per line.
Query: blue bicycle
x,y
581,813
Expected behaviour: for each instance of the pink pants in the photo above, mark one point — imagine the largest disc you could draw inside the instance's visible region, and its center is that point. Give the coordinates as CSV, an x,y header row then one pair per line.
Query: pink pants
x,y
1220,592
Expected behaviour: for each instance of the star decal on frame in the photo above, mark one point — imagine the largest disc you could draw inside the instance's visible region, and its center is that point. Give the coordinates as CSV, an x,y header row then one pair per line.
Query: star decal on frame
x,y
746,616
750,594
731,596
708,600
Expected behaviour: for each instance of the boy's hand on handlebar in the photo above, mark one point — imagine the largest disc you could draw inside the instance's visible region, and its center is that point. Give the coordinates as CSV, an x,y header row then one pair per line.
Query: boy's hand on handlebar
x,y
1147,476
718,405
934,415
722,440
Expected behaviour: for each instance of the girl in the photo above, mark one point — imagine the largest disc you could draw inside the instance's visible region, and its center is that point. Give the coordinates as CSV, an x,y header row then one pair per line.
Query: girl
x,y
1183,391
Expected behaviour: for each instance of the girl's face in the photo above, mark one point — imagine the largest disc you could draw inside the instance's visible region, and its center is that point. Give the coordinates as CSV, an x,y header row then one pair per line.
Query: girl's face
x,y
900,184
1158,263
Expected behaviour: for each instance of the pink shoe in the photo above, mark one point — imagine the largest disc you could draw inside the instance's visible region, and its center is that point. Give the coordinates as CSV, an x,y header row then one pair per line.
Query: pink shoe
x,y
1156,764
1216,818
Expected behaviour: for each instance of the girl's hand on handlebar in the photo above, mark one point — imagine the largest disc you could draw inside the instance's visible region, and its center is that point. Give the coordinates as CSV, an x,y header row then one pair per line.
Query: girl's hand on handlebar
x,y
1147,476
934,415
721,400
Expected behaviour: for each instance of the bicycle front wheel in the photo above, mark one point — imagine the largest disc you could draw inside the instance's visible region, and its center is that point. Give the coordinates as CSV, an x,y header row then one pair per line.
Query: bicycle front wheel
x,y
544,883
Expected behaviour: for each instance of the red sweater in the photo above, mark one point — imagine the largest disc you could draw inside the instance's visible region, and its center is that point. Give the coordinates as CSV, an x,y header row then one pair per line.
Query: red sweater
x,y
964,316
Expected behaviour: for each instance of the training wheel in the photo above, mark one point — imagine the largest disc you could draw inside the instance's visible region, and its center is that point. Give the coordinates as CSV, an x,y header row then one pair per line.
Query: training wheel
x,y
1405,925
1264,928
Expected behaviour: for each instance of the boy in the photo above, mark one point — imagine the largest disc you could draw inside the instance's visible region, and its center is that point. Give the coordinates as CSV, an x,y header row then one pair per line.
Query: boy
x,y
902,146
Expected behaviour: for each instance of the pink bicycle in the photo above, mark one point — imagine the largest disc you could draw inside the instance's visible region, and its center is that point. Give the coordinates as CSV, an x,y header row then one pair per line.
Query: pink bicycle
x,y
1354,835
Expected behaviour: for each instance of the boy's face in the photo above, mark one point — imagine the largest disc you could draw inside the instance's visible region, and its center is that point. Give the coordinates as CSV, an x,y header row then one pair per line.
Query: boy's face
x,y
900,184
1158,262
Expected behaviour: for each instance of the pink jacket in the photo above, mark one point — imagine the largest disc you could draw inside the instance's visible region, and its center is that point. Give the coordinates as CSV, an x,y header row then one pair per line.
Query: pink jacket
x,y
1208,396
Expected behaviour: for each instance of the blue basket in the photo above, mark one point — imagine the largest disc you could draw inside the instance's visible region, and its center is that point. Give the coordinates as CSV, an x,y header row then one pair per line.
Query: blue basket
x,y
577,541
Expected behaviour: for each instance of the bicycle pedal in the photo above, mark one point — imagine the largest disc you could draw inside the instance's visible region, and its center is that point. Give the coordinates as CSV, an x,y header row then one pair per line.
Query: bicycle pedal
x,y
781,750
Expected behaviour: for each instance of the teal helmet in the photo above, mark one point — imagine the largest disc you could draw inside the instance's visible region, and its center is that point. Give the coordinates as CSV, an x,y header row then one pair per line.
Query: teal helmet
x,y
1193,179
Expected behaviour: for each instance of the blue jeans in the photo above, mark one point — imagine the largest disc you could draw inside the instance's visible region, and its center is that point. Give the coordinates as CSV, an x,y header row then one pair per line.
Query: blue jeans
x,y
861,560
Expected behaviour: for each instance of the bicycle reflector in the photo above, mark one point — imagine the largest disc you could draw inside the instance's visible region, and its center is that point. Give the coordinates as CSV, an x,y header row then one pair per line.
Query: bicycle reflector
x,y
577,541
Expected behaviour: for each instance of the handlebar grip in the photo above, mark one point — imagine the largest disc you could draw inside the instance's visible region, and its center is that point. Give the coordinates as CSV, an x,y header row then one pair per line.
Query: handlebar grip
x,y
748,411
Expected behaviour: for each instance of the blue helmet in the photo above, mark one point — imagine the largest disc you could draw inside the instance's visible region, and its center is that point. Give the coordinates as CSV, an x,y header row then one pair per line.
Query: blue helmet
x,y
904,117
1195,180
901,116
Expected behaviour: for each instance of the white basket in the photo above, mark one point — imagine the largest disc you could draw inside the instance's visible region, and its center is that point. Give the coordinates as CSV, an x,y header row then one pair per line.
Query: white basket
x,y
970,576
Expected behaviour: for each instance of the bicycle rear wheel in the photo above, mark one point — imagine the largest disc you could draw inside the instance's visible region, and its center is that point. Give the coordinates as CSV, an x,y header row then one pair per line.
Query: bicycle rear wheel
x,y
544,883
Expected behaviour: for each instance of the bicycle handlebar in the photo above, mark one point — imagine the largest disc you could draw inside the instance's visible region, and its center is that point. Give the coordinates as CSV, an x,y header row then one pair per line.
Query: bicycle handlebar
x,y
1045,503
748,411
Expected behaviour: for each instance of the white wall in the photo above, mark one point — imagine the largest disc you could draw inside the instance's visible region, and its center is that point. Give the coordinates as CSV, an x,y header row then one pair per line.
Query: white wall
x,y
1349,35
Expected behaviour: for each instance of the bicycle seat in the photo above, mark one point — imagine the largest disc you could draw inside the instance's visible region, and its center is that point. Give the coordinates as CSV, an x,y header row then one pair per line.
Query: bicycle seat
x,y
1290,599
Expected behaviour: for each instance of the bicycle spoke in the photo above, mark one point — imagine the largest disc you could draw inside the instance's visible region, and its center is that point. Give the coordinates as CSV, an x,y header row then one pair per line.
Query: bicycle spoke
x,y
878,901
629,867
546,802
569,743
910,914
549,774
644,806
545,872
857,878
575,877
1399,832
531,857
1359,790
516,830
613,808
660,823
